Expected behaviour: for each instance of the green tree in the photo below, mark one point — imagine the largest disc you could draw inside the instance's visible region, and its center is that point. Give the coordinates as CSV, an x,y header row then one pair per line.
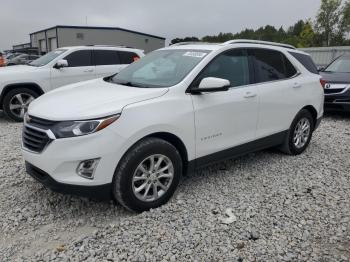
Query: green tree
x,y
328,19
186,39
306,36
297,28
344,25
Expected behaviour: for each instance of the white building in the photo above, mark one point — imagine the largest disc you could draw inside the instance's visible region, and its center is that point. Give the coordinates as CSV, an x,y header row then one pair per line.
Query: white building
x,y
59,36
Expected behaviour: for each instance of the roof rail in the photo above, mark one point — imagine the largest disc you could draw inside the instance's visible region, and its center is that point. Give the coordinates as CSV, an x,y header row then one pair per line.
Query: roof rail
x,y
258,42
192,43
111,46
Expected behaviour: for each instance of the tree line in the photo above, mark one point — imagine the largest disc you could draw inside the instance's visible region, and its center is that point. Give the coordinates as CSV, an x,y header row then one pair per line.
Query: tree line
x,y
330,28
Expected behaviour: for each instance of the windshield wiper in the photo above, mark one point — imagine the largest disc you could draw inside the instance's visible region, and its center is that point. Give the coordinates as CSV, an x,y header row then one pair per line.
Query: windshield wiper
x,y
129,84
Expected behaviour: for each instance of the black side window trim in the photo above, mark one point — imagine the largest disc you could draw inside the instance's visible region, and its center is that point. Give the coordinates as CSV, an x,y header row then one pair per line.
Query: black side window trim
x,y
313,70
91,58
255,69
250,65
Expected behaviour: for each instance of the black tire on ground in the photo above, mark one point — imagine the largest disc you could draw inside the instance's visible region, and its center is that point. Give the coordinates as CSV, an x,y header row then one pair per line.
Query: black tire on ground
x,y
10,95
288,147
123,176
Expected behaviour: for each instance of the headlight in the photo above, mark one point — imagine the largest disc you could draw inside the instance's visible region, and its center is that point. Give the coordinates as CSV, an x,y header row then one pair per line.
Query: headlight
x,y
81,128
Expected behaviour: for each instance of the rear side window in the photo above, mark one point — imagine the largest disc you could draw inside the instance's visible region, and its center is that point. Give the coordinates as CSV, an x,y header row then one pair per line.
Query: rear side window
x,y
232,65
306,61
79,58
127,57
106,57
271,65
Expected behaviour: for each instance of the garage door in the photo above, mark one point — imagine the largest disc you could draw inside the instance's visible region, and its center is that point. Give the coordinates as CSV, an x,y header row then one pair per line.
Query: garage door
x,y
42,46
53,43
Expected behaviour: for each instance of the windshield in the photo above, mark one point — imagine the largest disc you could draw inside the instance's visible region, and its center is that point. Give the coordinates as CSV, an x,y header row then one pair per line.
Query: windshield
x,y
341,65
11,56
44,60
163,68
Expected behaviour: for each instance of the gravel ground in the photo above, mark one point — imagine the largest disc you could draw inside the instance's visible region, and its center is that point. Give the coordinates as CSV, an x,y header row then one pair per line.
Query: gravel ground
x,y
261,207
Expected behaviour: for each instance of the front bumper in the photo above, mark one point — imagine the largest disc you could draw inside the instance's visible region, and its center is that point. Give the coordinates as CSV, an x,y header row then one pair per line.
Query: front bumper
x,y
337,102
101,192
56,166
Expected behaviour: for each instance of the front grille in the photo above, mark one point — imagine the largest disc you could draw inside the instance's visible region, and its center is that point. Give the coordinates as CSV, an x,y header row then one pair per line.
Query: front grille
x,y
333,91
40,123
34,140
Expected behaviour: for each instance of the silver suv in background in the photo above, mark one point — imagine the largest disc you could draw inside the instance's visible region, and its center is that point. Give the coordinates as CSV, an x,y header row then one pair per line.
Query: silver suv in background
x,y
21,84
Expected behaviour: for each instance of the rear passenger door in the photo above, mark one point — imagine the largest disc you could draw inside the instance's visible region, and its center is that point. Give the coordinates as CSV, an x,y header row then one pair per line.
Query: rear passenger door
x,y
126,58
279,91
107,62
80,68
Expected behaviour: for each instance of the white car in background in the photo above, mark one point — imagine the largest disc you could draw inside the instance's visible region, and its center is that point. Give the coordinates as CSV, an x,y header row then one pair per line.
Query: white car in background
x,y
20,85
133,135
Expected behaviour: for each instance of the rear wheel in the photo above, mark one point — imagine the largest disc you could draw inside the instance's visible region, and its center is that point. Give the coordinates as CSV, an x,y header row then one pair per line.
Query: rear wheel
x,y
16,102
299,134
147,175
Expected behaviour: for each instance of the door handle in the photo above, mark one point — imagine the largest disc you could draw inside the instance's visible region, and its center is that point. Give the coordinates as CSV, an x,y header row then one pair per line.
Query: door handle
x,y
88,71
249,95
296,85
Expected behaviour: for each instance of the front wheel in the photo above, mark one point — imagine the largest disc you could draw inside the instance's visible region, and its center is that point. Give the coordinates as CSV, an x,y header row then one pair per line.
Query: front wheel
x,y
299,134
147,175
16,102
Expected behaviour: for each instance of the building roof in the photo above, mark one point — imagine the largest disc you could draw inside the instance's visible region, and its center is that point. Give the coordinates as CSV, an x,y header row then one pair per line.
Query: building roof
x,y
98,27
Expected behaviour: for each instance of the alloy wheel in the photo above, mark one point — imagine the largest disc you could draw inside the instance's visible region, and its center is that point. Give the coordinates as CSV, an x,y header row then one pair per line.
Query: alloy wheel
x,y
302,133
152,178
19,104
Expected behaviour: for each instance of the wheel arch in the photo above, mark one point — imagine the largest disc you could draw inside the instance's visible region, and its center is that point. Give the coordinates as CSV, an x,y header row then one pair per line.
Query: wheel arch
x,y
313,112
176,142
33,86
170,138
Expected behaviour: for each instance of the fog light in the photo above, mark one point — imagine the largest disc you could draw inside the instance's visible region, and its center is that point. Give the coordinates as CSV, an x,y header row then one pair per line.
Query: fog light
x,y
87,168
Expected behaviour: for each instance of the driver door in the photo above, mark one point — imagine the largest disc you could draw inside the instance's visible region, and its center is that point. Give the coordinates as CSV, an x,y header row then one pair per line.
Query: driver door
x,y
80,68
227,119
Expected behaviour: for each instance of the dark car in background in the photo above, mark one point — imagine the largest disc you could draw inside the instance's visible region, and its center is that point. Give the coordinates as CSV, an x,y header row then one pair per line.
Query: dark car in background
x,y
10,56
337,87
22,59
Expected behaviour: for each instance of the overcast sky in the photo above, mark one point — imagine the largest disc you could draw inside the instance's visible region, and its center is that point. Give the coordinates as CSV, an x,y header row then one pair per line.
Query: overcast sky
x,y
170,19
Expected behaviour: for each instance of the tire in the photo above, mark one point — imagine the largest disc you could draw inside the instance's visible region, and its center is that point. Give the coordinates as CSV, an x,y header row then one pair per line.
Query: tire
x,y
11,102
130,175
290,145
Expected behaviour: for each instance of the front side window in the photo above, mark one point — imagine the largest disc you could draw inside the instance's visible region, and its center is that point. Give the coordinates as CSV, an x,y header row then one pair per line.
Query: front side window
x,y
341,65
271,65
163,68
79,58
44,60
106,57
232,65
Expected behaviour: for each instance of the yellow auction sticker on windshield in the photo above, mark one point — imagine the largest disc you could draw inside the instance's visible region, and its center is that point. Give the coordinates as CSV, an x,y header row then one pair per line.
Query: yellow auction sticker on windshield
x,y
195,54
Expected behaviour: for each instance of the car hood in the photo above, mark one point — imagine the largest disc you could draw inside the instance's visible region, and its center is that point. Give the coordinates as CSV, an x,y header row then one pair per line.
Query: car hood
x,y
89,100
336,77
16,69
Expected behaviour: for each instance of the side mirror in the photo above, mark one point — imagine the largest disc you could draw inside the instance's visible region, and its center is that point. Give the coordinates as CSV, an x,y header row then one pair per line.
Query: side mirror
x,y
320,68
61,63
212,84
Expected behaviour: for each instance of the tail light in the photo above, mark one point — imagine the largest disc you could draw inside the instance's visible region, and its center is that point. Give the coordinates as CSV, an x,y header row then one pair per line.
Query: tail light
x,y
2,61
323,82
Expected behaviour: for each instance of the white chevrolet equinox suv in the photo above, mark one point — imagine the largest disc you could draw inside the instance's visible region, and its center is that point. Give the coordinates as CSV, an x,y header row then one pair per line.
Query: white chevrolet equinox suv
x,y
20,85
131,136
